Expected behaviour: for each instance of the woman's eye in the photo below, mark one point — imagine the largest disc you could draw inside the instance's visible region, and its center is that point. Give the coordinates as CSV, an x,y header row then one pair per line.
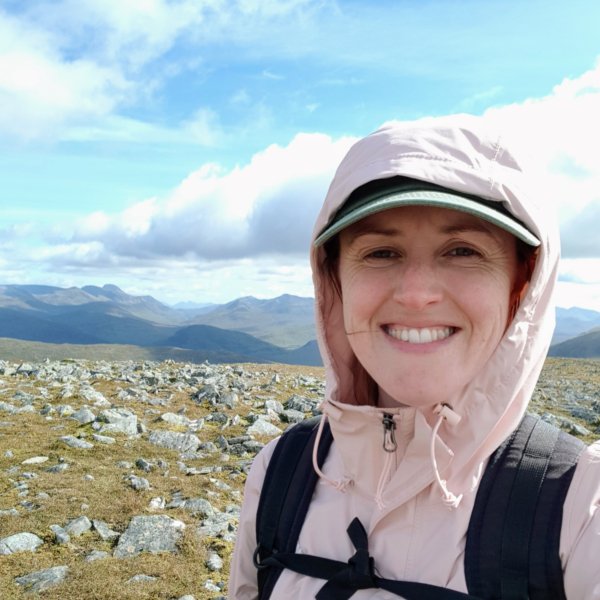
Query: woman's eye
x,y
381,254
463,251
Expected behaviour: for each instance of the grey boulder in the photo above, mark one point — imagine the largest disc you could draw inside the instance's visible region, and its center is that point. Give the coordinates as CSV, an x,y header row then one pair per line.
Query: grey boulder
x,y
156,533
20,542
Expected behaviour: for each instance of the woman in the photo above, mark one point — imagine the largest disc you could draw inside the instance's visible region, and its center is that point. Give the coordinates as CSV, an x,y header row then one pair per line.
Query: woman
x,y
434,267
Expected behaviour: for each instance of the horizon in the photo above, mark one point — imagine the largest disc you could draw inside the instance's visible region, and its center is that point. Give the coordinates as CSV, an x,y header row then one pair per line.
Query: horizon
x,y
181,149
206,304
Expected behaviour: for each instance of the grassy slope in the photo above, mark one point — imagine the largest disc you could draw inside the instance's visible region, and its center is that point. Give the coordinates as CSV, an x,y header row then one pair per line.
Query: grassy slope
x,y
582,346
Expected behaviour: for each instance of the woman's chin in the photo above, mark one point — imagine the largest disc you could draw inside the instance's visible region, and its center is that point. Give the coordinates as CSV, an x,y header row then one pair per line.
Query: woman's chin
x,y
426,394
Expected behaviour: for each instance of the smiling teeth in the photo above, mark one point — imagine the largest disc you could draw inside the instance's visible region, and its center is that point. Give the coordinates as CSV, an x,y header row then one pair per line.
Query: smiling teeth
x,y
421,336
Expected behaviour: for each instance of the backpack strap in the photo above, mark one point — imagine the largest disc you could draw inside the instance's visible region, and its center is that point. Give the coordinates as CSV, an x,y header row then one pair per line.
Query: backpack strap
x,y
344,579
285,496
512,542
514,532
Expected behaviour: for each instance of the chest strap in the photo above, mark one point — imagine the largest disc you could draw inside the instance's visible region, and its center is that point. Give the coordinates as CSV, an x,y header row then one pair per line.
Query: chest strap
x,y
344,579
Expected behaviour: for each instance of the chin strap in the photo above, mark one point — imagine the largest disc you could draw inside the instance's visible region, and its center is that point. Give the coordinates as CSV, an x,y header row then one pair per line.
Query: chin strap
x,y
444,412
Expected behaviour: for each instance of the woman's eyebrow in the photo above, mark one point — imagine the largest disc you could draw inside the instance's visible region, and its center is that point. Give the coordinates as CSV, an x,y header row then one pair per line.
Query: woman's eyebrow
x,y
477,227
361,230
366,230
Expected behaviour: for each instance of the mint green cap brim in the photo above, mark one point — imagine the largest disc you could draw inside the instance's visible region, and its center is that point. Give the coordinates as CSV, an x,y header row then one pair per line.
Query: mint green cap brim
x,y
490,211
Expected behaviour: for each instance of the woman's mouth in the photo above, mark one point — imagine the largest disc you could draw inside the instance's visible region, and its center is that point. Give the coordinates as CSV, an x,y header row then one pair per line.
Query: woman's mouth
x,y
424,335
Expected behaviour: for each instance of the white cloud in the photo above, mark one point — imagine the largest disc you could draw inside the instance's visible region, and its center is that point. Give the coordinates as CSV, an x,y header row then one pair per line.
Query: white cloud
x,y
40,92
253,221
561,132
69,68
204,128
264,208
576,294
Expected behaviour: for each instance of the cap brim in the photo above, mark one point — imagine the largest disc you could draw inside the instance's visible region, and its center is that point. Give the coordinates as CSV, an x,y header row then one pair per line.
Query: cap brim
x,y
427,198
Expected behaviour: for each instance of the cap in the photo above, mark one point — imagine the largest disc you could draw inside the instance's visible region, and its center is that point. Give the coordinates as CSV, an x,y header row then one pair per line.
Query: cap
x,y
361,205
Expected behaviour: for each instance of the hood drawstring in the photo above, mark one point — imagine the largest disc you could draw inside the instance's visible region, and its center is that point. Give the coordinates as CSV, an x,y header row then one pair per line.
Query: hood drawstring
x,y
445,412
338,485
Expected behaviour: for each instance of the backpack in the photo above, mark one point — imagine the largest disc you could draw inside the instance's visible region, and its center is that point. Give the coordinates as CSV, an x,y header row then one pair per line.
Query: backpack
x,y
512,540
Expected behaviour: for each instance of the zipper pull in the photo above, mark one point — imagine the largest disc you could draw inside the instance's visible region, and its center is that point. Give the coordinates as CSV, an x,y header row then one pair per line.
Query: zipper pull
x,y
389,433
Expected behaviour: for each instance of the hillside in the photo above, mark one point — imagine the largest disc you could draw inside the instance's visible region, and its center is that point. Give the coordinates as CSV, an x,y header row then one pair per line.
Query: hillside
x,y
247,329
141,327
134,484
571,322
286,321
586,345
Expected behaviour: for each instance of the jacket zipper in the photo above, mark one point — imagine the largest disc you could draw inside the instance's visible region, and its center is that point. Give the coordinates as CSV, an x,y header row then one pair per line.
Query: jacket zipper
x,y
389,446
389,433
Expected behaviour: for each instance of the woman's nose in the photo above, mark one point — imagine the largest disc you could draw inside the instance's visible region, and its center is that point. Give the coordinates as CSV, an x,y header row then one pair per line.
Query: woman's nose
x,y
417,286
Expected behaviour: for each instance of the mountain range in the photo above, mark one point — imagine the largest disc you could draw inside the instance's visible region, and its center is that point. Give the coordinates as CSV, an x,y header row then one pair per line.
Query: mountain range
x,y
247,329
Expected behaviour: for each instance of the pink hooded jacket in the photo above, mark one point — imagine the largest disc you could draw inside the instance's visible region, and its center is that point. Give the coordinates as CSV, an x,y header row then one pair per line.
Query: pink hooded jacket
x,y
416,508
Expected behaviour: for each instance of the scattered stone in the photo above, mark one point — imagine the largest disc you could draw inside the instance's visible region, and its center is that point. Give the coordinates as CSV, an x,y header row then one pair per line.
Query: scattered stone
x,y
261,427
153,534
96,555
230,400
103,439
218,525
214,562
142,579
157,504
104,531
94,397
302,404
84,415
59,468
74,442
35,460
174,440
292,416
274,405
144,465
20,542
39,581
116,420
78,526
177,420
60,535
65,410
199,507
138,483
211,587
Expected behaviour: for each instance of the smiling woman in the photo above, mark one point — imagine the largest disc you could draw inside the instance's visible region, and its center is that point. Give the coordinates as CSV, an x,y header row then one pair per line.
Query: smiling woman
x,y
434,266
424,290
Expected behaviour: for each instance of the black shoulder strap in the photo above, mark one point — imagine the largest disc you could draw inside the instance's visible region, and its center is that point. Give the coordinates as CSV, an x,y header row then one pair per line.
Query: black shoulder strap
x,y
514,532
289,484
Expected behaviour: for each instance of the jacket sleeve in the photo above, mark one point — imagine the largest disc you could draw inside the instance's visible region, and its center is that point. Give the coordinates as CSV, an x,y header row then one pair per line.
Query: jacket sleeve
x,y
242,579
580,536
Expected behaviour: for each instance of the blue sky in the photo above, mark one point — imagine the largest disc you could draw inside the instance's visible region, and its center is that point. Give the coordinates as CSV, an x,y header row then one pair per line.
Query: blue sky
x,y
182,149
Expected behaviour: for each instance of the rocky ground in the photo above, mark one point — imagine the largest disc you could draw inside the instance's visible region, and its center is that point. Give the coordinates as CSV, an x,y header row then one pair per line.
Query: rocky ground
x,y
124,480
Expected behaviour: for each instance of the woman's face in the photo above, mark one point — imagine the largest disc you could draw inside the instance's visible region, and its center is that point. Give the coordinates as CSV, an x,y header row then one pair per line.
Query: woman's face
x,y
425,295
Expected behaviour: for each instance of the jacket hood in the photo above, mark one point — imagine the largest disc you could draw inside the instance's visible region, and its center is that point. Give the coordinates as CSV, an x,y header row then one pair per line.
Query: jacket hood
x,y
459,153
